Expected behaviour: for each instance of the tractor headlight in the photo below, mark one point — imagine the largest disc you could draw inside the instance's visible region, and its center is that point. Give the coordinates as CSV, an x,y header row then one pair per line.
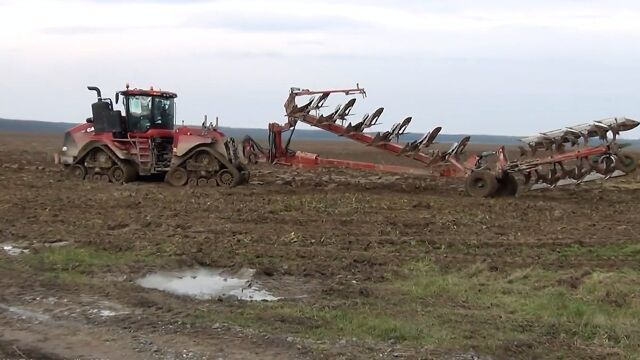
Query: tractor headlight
x,y
64,149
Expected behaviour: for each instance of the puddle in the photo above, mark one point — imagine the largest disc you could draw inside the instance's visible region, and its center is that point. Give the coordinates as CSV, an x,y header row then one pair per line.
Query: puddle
x,y
13,250
108,309
108,313
24,313
203,283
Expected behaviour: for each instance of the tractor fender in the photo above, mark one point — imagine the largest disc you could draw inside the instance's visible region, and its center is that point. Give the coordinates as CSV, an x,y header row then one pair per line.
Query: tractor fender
x,y
218,155
116,156
186,144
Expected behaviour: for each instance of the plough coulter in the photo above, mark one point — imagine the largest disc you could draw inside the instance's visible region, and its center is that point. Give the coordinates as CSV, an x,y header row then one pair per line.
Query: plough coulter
x,y
551,159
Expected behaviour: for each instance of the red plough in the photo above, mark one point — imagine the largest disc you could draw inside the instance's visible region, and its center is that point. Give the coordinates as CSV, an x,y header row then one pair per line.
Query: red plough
x,y
567,159
334,122
487,174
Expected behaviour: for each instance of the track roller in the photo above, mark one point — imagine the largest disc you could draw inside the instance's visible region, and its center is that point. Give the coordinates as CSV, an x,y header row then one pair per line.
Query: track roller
x,y
122,173
77,172
177,176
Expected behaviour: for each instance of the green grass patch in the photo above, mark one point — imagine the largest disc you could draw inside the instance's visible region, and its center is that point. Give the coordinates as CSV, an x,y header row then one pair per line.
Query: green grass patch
x,y
601,251
326,322
81,259
469,309
601,308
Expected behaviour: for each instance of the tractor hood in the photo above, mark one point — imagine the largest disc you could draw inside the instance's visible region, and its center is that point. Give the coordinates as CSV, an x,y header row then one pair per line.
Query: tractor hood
x,y
185,138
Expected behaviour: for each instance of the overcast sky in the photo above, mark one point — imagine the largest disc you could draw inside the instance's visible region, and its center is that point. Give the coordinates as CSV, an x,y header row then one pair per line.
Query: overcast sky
x,y
493,67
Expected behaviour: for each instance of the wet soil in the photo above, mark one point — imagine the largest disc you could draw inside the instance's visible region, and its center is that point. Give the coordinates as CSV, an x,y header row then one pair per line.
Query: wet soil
x,y
321,230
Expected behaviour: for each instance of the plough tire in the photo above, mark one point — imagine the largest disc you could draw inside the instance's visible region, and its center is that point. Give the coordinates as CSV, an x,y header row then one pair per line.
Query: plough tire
x,y
244,173
605,165
507,186
481,183
626,163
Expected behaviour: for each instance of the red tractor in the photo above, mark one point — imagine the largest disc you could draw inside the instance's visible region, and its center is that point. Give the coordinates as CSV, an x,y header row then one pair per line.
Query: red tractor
x,y
111,147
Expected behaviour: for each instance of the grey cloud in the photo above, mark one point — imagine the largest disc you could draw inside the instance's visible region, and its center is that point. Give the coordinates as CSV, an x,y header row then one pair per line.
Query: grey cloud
x,y
89,30
232,21
151,1
451,6
272,23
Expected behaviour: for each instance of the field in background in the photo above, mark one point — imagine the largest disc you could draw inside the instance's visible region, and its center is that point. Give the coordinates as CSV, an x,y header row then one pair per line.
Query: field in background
x,y
303,132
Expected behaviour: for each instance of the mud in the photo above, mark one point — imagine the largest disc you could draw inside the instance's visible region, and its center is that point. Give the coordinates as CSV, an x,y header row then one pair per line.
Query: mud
x,y
320,238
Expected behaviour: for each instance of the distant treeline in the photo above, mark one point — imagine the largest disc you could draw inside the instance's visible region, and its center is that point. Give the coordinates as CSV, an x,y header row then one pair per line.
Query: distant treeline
x,y
239,133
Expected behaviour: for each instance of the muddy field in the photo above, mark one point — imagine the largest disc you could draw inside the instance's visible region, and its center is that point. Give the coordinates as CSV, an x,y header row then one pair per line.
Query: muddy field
x,y
359,265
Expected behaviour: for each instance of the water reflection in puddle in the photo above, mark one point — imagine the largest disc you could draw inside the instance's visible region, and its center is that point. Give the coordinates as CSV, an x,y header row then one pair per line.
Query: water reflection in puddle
x,y
13,250
205,283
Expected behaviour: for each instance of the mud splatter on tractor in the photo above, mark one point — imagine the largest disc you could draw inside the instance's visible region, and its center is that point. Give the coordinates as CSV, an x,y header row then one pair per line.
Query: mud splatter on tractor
x,y
487,174
111,147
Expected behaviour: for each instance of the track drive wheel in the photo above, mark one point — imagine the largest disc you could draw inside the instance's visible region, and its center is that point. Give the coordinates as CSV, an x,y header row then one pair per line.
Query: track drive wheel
x,y
626,163
77,172
507,185
120,174
177,176
229,177
481,183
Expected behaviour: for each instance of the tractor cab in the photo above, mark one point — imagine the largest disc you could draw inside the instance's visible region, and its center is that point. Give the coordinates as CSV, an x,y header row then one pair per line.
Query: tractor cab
x,y
148,109
144,110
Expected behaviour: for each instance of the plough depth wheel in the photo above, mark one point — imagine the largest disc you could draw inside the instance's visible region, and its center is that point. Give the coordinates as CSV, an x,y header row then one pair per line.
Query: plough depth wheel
x,y
244,173
507,185
481,183
626,163
605,165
